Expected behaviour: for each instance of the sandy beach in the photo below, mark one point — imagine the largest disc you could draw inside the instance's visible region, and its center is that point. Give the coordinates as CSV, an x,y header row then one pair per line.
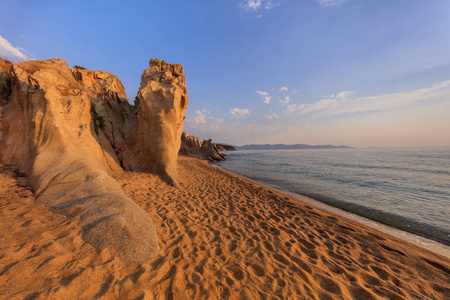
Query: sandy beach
x,y
221,237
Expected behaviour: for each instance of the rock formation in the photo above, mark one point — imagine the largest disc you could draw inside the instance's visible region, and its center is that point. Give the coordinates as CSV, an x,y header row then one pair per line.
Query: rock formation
x,y
191,146
69,130
112,117
162,102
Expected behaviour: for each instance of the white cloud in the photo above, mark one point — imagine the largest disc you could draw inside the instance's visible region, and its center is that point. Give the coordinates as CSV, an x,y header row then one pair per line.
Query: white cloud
x,y
257,6
285,100
331,3
200,117
343,95
214,123
202,121
262,93
272,115
295,107
341,105
283,89
265,96
6,49
216,120
250,5
290,129
239,113
271,4
324,104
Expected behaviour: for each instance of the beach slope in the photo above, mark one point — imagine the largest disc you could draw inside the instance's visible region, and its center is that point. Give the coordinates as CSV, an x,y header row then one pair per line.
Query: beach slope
x,y
221,237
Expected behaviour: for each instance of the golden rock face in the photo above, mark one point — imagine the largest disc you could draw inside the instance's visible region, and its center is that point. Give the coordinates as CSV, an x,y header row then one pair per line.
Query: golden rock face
x,y
162,103
70,129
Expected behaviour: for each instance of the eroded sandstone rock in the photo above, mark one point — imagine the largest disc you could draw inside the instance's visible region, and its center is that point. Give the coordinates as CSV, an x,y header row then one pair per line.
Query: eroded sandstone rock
x,y
112,116
161,102
191,146
70,129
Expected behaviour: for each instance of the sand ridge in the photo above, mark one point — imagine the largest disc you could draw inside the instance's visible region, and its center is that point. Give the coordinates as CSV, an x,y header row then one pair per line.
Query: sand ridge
x,y
221,237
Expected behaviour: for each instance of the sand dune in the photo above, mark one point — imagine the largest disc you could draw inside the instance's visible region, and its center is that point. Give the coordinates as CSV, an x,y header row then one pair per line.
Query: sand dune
x,y
221,237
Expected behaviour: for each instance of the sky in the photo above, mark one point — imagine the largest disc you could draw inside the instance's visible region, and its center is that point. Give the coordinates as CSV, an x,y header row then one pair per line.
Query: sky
x,y
360,73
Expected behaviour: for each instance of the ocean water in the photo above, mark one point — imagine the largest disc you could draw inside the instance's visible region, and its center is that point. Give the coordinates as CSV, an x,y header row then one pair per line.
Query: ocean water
x,y
407,188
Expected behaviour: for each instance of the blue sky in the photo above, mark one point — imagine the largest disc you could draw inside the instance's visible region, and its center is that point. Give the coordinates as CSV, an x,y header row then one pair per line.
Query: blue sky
x,y
354,72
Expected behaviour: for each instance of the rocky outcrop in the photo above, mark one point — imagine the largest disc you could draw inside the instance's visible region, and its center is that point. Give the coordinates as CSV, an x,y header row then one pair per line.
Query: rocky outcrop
x,y
211,152
69,130
225,147
5,65
112,117
191,146
162,102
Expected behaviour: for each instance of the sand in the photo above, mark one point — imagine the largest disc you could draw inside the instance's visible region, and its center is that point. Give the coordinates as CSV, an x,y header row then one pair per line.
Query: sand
x,y
221,237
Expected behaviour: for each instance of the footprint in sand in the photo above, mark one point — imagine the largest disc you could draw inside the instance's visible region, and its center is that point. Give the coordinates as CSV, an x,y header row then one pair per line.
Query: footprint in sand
x,y
68,279
258,270
232,246
328,285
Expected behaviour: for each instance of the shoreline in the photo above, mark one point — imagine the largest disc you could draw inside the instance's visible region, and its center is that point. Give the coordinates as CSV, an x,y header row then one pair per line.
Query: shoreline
x,y
410,237
420,241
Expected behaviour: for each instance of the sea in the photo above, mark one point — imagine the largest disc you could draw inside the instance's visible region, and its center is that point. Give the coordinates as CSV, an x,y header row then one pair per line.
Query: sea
x,y
405,188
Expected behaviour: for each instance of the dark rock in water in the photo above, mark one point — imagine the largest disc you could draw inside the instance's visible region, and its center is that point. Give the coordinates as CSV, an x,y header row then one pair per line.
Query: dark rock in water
x,y
191,146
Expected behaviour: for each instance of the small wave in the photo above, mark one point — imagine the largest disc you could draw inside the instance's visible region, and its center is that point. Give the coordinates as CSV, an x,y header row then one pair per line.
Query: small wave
x,y
410,225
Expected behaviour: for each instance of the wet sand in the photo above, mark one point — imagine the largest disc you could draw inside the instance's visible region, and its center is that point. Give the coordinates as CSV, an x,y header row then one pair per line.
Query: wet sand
x,y
221,237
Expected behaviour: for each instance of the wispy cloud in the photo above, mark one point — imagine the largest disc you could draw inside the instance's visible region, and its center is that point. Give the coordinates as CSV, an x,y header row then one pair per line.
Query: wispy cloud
x,y
343,95
265,96
250,5
6,49
345,105
203,121
281,89
272,115
257,6
330,3
216,120
239,112
199,117
285,100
